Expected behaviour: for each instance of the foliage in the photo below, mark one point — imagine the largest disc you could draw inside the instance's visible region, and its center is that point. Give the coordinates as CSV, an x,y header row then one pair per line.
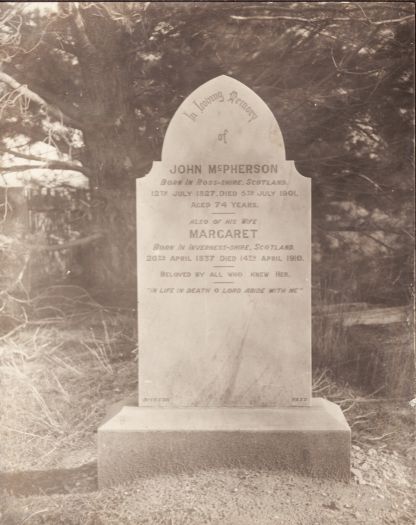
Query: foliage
x,y
100,81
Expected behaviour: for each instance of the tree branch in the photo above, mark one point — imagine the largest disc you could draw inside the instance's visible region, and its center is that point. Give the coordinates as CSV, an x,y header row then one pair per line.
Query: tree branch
x,y
378,241
323,19
47,165
310,8
66,245
52,99
343,63
57,163
81,31
34,97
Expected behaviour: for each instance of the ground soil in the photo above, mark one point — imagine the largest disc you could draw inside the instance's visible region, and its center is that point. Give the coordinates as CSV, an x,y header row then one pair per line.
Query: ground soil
x,y
209,497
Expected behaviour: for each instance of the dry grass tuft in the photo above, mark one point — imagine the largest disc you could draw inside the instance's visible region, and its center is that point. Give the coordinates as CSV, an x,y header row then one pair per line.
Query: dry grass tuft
x,y
57,375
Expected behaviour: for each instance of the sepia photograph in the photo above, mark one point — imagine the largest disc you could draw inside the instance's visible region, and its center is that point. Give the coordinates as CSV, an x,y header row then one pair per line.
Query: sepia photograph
x,y
207,263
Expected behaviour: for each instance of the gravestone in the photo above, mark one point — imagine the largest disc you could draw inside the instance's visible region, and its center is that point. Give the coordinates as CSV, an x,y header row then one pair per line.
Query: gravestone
x,y
224,304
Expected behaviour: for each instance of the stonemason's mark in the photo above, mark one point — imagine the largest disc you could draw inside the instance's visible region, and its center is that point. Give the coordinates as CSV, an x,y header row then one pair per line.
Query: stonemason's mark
x,y
233,98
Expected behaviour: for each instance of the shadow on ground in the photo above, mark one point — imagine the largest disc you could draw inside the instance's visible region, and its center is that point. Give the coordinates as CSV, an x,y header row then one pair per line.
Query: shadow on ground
x,y
56,481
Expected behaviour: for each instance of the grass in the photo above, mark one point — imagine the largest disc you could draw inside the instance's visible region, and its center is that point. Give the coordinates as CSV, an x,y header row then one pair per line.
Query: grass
x,y
56,382
372,358
58,377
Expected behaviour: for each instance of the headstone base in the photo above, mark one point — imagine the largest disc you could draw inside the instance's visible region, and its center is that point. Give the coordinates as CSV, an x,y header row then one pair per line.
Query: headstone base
x,y
141,442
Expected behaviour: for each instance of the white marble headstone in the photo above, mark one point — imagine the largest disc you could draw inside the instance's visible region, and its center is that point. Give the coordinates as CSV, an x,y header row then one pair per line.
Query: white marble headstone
x,y
224,259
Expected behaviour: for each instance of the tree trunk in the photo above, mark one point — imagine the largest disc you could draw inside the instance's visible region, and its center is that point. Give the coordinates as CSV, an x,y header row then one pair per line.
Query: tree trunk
x,y
115,155
110,264
115,163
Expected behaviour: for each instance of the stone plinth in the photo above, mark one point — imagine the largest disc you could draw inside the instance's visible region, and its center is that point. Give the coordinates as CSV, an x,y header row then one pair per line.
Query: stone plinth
x,y
146,441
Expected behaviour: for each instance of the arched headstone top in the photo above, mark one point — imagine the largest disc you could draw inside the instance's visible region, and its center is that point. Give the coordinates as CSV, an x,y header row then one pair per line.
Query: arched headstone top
x,y
220,117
